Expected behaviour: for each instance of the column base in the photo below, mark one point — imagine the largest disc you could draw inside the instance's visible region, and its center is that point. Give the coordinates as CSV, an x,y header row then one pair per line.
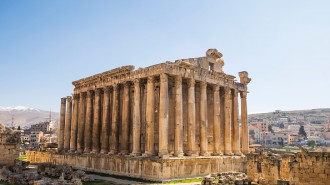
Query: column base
x,y
217,154
79,151
237,153
192,153
135,154
228,153
146,154
104,152
245,151
205,154
179,154
87,151
95,152
124,152
112,152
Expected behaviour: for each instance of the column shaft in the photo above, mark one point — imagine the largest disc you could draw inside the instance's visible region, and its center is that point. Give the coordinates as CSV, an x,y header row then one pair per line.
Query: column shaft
x,y
227,122
203,114
245,133
125,121
216,120
96,122
150,117
114,125
74,123
191,118
67,130
81,122
105,121
163,116
88,123
136,119
62,125
235,124
178,138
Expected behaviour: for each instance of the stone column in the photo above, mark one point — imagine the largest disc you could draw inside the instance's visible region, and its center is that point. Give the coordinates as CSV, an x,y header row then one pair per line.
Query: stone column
x,y
203,126
81,122
74,124
62,125
222,120
105,121
244,127
191,151
125,121
178,138
163,116
150,117
67,130
96,122
136,119
114,125
227,122
235,124
88,123
216,120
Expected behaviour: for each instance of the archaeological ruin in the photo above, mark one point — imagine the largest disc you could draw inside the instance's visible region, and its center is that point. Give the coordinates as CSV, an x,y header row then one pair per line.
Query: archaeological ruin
x,y
172,120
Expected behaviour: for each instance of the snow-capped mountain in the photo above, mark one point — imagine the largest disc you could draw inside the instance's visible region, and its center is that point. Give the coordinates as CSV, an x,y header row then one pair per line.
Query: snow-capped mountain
x,y
24,116
18,108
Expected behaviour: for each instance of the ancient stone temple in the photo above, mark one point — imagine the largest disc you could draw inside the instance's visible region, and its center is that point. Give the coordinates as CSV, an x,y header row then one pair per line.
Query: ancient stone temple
x,y
167,121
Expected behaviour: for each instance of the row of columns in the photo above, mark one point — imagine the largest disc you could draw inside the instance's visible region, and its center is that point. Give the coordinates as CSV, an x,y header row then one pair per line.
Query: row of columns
x,y
84,130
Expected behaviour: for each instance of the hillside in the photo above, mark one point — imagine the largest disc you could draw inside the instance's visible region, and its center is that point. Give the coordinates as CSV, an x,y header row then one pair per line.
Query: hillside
x,y
24,116
313,115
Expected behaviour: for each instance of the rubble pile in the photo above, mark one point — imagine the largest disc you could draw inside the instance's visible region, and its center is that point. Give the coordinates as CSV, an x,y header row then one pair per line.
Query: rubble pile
x,y
41,176
64,171
236,178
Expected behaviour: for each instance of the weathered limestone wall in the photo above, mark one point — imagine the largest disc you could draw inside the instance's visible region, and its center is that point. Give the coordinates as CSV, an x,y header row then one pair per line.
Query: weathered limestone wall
x,y
310,168
9,146
145,168
267,169
303,168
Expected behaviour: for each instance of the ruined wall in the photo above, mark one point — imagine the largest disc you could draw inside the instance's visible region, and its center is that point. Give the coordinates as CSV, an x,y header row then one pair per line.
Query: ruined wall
x,y
310,168
9,146
267,168
302,168
145,168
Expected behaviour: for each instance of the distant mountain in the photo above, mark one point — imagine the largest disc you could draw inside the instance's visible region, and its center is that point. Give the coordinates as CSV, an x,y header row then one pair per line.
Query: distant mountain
x,y
24,116
312,115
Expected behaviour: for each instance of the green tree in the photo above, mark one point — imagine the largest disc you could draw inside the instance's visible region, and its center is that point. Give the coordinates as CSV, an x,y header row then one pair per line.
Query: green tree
x,y
302,132
281,125
270,129
19,127
311,143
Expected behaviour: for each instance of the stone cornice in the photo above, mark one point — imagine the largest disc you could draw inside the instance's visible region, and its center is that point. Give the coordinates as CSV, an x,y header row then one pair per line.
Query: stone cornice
x,y
127,73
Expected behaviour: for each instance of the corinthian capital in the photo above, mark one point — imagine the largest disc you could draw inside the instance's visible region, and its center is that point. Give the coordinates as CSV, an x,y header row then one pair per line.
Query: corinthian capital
x,y
243,94
69,98
63,100
244,77
178,81
150,79
163,77
203,85
75,96
191,82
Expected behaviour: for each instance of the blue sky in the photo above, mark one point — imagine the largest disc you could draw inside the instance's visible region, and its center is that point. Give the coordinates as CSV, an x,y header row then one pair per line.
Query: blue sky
x,y
284,45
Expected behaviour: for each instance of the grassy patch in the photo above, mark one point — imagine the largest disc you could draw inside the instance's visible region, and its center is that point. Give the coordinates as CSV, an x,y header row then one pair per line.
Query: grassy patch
x,y
22,157
184,181
121,177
